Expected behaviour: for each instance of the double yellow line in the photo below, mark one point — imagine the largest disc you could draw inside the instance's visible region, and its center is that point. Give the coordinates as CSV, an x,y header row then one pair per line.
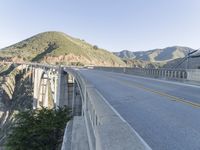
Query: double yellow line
x,y
171,97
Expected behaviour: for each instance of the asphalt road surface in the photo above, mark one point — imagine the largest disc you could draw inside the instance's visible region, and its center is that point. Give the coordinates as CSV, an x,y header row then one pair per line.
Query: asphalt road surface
x,y
165,114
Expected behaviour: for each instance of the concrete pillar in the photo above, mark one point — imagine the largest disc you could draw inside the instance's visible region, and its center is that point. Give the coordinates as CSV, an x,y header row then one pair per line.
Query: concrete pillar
x,y
52,86
172,74
30,75
77,103
179,74
61,91
168,73
175,74
35,88
162,73
57,88
46,97
37,78
45,92
165,73
33,75
70,91
41,92
151,72
185,75
64,90
156,73
56,96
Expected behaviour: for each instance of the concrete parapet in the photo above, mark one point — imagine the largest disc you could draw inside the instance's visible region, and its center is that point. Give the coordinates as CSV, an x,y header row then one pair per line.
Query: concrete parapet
x,y
67,138
79,134
177,74
193,74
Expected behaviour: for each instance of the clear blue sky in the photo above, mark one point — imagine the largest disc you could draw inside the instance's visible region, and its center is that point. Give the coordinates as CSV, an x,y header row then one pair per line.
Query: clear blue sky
x,y
111,24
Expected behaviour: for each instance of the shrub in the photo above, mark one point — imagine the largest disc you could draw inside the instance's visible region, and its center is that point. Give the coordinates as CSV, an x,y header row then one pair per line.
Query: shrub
x,y
95,47
76,64
38,129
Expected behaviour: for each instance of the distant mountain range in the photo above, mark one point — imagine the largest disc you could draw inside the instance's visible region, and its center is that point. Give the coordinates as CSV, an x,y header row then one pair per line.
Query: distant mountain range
x,y
59,48
156,55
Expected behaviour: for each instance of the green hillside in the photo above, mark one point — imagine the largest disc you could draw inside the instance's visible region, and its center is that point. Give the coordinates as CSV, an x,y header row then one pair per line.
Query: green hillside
x,y
57,47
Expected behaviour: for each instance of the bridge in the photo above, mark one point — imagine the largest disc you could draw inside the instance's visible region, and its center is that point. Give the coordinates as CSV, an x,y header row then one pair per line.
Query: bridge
x,y
122,108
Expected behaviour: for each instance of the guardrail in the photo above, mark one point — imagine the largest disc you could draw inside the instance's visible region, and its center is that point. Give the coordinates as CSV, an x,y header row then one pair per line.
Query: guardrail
x,y
106,130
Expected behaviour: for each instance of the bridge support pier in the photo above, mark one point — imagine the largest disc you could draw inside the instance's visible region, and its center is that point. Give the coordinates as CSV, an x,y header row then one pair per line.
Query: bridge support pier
x,y
76,103
62,88
36,79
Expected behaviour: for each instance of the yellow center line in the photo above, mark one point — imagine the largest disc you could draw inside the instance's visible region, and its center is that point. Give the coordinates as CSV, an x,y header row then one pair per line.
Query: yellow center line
x,y
171,97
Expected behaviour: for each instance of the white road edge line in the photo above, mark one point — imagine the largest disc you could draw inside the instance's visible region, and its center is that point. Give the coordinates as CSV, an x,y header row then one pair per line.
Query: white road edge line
x,y
142,140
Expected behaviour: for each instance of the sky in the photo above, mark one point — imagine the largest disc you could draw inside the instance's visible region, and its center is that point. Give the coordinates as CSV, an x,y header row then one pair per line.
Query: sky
x,y
115,25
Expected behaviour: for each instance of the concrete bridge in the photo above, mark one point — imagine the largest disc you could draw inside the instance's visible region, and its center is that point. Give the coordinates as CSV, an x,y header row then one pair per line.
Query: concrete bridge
x,y
122,108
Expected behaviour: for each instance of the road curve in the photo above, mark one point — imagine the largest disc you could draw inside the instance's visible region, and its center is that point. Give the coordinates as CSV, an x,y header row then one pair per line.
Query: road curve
x,y
165,114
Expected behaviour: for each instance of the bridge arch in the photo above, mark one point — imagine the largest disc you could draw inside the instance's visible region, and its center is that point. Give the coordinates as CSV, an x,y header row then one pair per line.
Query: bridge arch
x,y
44,89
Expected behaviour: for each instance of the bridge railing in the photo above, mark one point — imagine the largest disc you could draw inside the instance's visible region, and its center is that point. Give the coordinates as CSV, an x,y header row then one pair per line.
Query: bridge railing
x,y
175,74
106,130
193,74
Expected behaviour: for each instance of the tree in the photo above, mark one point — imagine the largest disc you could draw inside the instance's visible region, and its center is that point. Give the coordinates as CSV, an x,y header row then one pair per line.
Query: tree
x,y
38,129
95,47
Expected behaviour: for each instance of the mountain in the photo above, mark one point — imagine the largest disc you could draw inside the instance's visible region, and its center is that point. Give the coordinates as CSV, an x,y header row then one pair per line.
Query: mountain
x,y
59,48
136,63
192,63
156,55
125,54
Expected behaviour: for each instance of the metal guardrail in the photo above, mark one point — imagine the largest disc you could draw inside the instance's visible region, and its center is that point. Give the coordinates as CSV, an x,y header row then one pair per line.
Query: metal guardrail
x,y
106,129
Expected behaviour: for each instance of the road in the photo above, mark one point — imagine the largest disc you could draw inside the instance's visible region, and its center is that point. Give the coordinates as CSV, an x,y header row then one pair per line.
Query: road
x,y
165,114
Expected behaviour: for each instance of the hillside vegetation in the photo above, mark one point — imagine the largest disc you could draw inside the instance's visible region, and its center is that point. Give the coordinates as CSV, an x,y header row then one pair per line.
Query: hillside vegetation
x,y
57,47
136,63
156,55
